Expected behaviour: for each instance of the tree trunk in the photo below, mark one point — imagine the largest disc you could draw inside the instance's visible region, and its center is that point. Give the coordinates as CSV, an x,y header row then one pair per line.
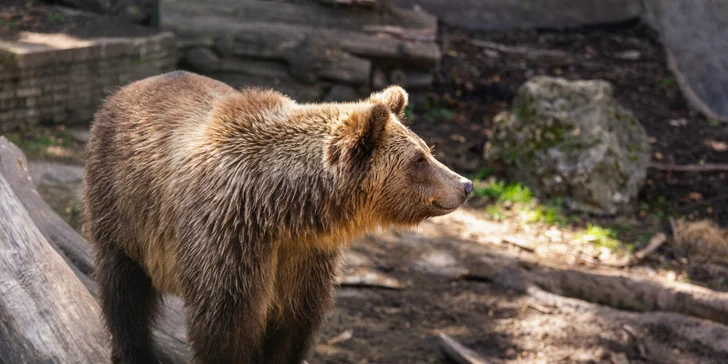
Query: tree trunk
x,y
46,314
44,311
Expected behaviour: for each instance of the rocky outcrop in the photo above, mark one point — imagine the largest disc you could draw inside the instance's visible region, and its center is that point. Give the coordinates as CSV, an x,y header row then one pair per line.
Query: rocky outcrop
x,y
305,48
571,139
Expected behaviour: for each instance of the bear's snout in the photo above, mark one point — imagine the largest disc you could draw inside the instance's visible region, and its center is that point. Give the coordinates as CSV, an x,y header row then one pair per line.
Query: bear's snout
x,y
468,185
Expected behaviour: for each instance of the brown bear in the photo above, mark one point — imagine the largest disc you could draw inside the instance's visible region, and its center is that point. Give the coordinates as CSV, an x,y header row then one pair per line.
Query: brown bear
x,y
239,202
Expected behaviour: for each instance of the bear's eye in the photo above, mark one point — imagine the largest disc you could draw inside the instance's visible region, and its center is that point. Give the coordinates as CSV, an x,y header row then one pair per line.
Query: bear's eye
x,y
420,160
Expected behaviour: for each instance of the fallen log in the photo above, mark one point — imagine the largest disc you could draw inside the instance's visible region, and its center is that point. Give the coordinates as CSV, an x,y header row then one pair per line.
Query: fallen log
x,y
634,294
46,314
53,233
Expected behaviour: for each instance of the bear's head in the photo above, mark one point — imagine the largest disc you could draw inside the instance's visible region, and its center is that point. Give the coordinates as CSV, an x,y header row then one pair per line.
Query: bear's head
x,y
399,180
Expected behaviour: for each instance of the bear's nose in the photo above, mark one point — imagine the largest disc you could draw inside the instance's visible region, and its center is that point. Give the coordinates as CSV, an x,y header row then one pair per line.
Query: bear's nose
x,y
468,187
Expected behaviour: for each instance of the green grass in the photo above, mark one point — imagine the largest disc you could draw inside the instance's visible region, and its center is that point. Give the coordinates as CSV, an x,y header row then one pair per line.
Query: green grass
x,y
40,142
483,174
511,199
604,237
495,212
518,198
505,192
549,213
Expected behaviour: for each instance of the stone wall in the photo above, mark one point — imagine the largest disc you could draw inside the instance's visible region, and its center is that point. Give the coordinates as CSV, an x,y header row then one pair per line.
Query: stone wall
x,y
53,78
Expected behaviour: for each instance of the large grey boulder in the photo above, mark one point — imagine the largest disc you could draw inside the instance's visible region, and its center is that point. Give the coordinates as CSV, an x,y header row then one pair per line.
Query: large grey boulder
x,y
571,139
695,34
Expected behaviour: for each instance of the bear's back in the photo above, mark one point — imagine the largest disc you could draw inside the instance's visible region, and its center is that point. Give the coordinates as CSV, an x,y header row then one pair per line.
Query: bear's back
x,y
139,139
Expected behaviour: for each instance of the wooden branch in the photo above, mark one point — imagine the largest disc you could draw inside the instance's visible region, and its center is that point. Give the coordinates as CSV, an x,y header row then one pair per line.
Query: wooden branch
x,y
46,314
459,353
170,331
707,167
519,243
634,293
366,277
655,242
637,338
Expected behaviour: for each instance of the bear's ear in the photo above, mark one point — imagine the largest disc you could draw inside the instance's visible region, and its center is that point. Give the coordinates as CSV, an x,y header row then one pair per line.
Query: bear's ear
x,y
358,135
394,97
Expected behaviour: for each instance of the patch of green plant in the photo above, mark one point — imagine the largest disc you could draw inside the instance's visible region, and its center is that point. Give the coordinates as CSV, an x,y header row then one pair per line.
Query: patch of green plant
x,y
439,113
521,197
494,212
523,111
490,189
505,192
483,174
656,210
550,212
547,215
516,193
603,237
668,82
714,122
39,143
55,17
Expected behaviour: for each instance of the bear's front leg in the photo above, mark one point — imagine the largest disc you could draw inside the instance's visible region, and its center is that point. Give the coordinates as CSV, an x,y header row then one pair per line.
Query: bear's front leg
x,y
227,294
305,287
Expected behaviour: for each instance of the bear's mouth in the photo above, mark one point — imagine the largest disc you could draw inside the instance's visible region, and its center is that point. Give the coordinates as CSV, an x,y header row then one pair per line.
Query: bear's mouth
x,y
444,208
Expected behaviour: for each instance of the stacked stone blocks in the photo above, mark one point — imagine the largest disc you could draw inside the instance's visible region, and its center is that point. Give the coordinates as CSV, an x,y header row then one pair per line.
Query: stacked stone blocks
x,y
56,79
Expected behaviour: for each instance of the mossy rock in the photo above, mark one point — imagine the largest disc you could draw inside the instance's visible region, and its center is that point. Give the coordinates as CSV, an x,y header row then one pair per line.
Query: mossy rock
x,y
571,139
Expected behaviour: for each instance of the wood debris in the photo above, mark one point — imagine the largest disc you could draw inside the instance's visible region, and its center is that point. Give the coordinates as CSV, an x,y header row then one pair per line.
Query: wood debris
x,y
366,277
459,353
346,335
705,167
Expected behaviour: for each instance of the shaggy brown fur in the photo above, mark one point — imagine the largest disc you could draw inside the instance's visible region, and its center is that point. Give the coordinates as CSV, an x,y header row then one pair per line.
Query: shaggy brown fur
x,y
239,202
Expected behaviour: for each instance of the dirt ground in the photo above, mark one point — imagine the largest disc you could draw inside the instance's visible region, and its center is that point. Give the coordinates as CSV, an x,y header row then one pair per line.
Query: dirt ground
x,y
502,286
